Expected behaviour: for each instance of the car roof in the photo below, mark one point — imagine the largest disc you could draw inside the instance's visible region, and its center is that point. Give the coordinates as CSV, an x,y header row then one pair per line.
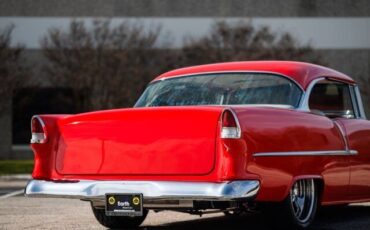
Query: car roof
x,y
301,72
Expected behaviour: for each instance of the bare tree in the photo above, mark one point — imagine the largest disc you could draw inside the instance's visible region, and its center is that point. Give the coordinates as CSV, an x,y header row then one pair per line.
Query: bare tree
x,y
12,71
106,66
109,66
241,42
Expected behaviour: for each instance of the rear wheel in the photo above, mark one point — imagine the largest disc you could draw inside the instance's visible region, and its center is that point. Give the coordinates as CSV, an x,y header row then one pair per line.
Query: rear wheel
x,y
298,210
121,222
302,202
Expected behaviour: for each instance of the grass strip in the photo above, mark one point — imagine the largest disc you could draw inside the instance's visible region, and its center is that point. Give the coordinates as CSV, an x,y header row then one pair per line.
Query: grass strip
x,y
16,167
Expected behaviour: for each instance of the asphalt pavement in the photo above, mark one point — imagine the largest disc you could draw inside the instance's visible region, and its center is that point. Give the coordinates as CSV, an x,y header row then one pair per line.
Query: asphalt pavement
x,y
19,212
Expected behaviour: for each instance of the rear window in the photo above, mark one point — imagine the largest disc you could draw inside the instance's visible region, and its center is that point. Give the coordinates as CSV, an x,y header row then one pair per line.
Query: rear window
x,y
222,89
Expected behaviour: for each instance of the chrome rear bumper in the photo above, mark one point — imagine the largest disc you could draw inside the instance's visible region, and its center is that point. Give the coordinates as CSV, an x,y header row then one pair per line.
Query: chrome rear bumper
x,y
166,190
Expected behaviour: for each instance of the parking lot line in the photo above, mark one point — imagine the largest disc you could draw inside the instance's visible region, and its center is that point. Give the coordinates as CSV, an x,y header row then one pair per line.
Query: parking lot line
x,y
11,194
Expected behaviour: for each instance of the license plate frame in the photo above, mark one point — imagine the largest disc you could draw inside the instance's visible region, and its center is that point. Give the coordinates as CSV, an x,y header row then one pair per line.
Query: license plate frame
x,y
124,204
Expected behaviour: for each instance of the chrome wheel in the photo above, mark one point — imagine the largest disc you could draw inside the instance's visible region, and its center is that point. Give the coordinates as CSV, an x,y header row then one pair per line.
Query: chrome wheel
x,y
303,199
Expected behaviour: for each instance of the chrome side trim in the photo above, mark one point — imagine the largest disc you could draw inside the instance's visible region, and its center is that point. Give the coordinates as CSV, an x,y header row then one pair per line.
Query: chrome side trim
x,y
169,190
307,153
343,134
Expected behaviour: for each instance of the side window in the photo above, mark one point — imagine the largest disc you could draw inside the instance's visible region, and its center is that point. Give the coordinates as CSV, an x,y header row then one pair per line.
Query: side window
x,y
332,98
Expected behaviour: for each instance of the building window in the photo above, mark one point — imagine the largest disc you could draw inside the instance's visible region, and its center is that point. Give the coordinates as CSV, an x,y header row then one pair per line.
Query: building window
x,y
30,101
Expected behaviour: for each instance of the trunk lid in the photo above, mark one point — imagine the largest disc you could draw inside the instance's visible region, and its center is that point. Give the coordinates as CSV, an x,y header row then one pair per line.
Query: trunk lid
x,y
139,141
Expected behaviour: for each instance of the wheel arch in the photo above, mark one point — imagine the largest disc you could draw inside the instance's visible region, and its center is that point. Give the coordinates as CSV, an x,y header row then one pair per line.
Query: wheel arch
x,y
319,182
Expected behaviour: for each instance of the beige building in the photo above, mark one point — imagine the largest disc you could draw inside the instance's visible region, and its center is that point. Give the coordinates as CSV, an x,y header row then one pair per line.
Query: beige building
x,y
339,29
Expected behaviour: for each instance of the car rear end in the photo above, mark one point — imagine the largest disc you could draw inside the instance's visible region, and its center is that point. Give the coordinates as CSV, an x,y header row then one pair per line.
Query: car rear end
x,y
182,149
185,158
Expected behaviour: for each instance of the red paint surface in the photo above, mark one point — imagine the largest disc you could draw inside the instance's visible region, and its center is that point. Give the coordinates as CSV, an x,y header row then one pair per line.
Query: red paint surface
x,y
289,131
145,141
183,143
302,73
358,135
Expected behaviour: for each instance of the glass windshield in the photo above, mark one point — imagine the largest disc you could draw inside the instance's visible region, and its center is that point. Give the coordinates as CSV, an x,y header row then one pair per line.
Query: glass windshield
x,y
222,89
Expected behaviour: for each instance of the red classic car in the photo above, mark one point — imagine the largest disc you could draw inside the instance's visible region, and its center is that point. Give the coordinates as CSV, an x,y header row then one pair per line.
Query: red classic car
x,y
228,137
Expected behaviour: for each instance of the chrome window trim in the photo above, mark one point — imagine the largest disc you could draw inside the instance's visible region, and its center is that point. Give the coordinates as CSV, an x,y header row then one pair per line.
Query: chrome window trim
x,y
304,106
231,71
359,103
237,71
356,108
303,101
306,96
307,153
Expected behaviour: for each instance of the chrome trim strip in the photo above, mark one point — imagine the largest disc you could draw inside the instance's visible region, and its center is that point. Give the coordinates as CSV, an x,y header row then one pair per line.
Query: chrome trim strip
x,y
359,103
231,71
352,152
343,134
92,190
355,106
307,153
306,95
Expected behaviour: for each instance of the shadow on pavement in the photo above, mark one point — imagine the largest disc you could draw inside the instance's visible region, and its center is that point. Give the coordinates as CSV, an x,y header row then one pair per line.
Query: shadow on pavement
x,y
331,218
343,217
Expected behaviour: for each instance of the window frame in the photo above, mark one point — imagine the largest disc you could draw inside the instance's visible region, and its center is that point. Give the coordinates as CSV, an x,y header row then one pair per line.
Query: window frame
x,y
297,106
362,114
355,102
355,105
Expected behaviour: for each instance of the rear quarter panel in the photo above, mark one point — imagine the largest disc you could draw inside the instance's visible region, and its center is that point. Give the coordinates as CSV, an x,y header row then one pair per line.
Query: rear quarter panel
x,y
84,131
285,130
44,154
